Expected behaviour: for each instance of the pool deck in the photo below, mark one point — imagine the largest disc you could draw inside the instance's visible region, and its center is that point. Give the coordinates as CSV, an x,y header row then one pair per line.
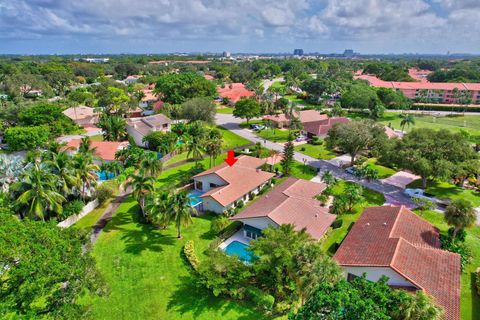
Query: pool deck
x,y
237,236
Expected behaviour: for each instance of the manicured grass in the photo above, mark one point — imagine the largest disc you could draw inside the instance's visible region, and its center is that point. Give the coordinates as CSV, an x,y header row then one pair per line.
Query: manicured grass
x,y
445,190
334,237
275,135
300,170
231,139
87,222
469,300
278,84
148,276
470,124
316,151
383,172
98,137
225,110
299,101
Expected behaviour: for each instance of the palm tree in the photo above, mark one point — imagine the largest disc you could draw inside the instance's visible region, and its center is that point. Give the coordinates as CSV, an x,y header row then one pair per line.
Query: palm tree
x,y
329,178
416,307
85,147
407,120
61,165
141,186
86,171
194,148
113,127
181,211
273,154
39,193
150,165
158,208
460,214
214,145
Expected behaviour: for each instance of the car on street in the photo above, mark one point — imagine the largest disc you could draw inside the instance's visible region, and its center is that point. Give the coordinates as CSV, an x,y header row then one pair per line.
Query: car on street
x,y
301,138
257,127
351,170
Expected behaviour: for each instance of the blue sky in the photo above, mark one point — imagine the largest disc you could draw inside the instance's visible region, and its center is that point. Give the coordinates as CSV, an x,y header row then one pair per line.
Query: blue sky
x,y
159,26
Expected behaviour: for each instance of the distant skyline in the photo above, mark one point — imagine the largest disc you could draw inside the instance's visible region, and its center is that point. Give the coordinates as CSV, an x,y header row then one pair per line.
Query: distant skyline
x,y
254,26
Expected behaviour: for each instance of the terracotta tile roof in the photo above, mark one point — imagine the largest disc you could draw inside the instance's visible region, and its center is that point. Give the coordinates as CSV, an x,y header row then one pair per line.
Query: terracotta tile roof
x,y
234,92
81,115
390,132
292,202
320,128
241,178
104,150
145,125
305,116
397,238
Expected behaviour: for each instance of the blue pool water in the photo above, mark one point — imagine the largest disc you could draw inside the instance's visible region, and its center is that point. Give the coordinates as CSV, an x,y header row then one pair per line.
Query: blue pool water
x,y
194,196
104,175
239,249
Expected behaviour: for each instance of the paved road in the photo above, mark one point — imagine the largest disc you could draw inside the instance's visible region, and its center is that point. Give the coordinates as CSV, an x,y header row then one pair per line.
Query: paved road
x,y
393,195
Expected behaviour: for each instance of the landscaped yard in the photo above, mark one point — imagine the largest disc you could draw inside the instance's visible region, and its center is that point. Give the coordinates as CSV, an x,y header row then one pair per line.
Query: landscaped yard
x,y
225,110
300,170
445,190
316,151
231,140
275,135
87,222
383,172
334,237
469,300
299,101
148,276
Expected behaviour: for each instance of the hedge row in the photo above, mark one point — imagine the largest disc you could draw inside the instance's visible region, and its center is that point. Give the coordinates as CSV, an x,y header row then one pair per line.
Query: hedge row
x,y
432,107
189,251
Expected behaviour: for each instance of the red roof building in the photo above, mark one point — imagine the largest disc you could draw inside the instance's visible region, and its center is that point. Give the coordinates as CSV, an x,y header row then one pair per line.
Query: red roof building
x,y
397,243
234,92
320,128
104,150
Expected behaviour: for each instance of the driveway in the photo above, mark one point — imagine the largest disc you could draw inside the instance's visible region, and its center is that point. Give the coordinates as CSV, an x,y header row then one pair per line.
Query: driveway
x,y
90,133
393,194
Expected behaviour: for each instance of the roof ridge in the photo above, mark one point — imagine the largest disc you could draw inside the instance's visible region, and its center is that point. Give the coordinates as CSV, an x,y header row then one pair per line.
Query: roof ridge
x,y
396,221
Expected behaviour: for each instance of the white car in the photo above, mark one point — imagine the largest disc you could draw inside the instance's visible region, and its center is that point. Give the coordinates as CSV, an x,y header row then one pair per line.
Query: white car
x,y
420,193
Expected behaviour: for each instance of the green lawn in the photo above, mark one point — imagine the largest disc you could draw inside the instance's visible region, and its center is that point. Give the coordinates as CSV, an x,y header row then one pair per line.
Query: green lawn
x,y
275,135
231,139
98,137
316,151
300,170
278,84
470,124
445,190
335,237
299,101
225,110
469,300
87,222
148,276
383,172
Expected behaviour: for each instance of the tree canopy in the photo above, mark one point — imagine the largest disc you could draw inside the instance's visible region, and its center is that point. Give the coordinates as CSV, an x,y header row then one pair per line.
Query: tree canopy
x,y
178,88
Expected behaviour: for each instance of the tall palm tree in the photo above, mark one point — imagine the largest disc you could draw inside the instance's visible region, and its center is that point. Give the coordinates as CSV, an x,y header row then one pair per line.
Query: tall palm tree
x,y
61,165
407,120
194,148
113,127
85,170
38,193
460,214
158,208
85,147
141,186
150,165
181,211
214,145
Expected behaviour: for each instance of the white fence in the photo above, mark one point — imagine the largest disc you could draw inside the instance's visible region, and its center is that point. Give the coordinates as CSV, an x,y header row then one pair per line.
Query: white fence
x,y
72,219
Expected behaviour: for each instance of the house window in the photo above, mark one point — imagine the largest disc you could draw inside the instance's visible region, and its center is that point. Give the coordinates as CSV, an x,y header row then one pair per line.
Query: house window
x,y
198,185
251,235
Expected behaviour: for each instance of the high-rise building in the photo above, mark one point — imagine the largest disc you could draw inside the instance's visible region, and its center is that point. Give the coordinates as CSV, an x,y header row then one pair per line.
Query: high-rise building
x,y
348,53
226,54
298,52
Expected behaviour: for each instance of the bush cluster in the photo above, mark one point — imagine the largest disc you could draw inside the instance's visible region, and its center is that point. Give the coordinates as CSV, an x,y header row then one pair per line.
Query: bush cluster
x,y
189,251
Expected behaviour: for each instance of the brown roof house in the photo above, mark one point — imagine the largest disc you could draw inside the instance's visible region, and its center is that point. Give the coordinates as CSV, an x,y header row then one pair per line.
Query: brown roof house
x,y
320,128
104,150
395,242
138,128
291,202
223,187
82,115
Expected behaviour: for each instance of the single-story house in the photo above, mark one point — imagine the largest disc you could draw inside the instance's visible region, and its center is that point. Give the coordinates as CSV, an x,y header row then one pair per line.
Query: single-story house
x,y
104,150
138,128
395,242
225,186
320,128
82,115
131,79
283,121
234,92
291,202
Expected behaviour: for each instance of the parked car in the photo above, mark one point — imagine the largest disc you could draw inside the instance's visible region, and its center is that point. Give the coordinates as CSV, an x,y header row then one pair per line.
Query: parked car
x,y
301,138
419,193
257,127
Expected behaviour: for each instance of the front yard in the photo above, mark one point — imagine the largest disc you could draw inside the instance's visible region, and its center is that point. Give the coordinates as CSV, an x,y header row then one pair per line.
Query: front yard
x,y
445,190
383,172
316,151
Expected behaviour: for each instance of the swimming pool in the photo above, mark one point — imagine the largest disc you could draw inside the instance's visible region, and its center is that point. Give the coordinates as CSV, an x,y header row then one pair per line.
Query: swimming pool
x,y
239,249
104,175
194,197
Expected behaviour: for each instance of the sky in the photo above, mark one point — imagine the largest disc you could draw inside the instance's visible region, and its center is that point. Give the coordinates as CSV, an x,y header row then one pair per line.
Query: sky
x,y
253,26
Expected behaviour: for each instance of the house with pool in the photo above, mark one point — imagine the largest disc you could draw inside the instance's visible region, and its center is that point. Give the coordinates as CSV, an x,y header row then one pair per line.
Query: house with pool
x,y
223,187
291,202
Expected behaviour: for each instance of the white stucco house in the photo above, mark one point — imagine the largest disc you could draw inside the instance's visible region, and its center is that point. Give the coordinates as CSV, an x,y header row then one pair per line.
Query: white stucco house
x,y
138,128
224,186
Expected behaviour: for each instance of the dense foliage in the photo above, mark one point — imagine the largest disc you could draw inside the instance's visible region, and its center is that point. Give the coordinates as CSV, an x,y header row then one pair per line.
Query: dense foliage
x,y
178,88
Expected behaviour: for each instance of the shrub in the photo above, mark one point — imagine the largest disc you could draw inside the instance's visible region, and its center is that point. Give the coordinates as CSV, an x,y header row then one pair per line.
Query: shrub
x,y
456,246
323,198
337,223
72,208
262,300
26,138
461,234
105,191
424,204
189,251
316,141
302,149
219,224
240,204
